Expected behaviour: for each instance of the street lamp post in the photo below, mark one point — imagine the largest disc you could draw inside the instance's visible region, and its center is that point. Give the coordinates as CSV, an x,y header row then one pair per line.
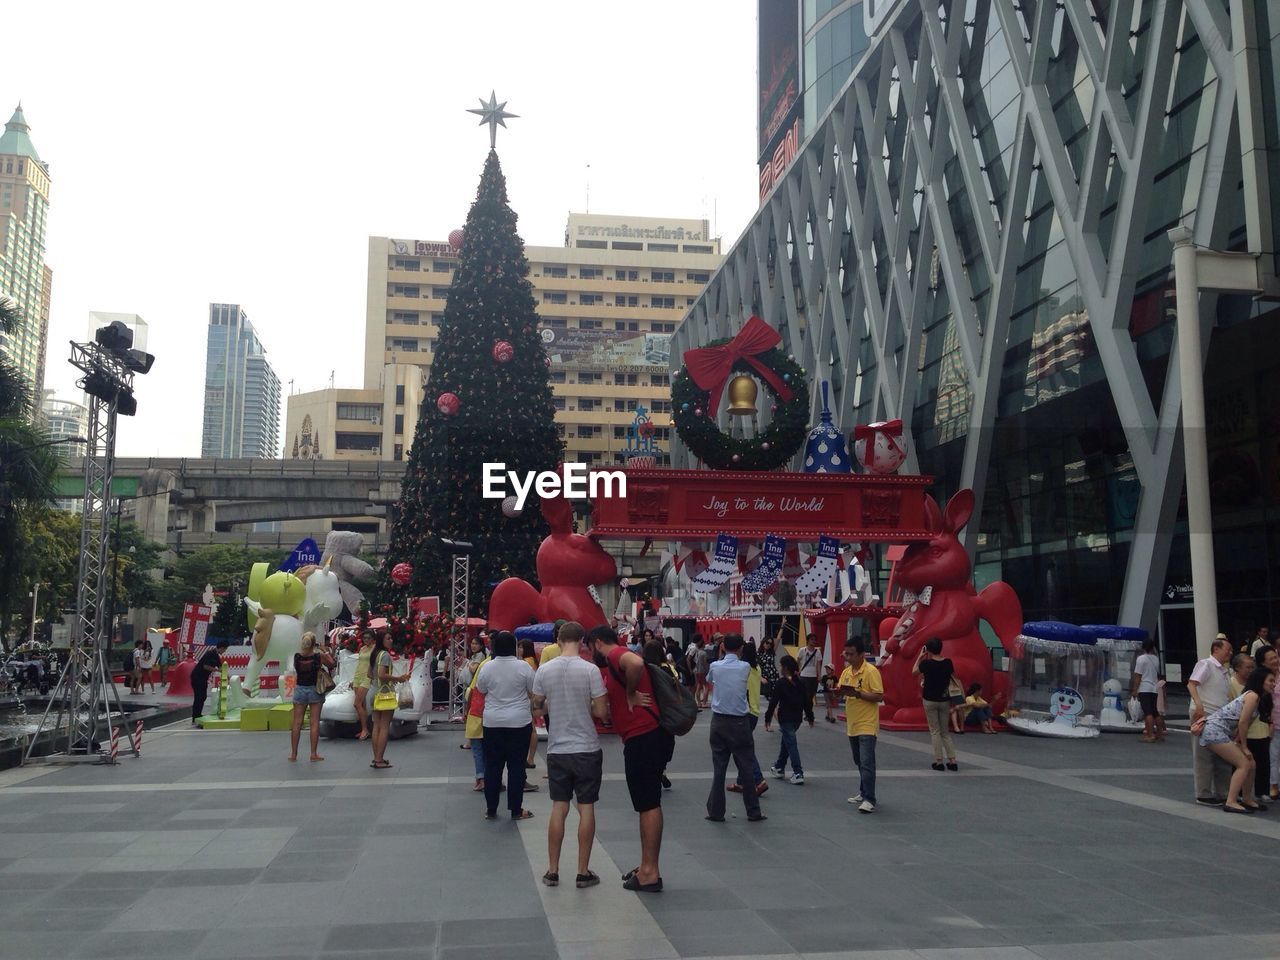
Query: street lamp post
x,y
35,599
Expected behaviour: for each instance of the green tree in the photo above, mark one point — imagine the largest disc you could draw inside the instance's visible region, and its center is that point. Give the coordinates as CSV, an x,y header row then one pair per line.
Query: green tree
x,y
505,413
28,464
225,623
220,566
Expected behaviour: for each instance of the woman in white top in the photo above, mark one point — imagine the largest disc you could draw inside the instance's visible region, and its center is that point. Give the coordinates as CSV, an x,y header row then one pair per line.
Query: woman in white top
x,y
1145,685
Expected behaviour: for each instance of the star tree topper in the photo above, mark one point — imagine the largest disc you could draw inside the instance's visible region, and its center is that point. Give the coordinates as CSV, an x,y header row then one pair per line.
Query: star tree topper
x,y
495,115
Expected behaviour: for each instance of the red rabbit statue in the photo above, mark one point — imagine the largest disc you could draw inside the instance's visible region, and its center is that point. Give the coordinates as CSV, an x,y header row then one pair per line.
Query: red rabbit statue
x,y
568,563
942,603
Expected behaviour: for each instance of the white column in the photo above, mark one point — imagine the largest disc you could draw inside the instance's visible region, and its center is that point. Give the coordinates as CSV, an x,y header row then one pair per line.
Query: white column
x,y
1194,440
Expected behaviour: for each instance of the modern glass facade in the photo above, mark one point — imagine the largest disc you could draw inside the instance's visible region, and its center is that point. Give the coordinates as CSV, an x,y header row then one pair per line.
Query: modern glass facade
x,y
241,390
833,41
990,262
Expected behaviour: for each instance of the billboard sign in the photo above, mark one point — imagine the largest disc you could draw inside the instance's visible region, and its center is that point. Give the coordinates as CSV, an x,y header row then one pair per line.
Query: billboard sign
x,y
778,70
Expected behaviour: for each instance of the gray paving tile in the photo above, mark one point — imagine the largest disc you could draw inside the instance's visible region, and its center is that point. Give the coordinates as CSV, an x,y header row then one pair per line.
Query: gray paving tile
x,y
139,943
376,936
507,930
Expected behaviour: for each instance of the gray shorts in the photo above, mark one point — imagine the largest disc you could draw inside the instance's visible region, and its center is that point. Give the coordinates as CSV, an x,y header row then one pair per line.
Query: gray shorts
x,y
575,775
304,696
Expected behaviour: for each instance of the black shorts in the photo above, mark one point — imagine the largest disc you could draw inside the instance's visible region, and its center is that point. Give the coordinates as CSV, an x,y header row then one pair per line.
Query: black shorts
x,y
644,758
575,776
1148,701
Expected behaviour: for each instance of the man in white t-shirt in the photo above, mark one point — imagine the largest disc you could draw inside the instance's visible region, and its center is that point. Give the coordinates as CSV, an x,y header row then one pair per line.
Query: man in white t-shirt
x,y
571,691
1209,691
810,669
1146,687
1260,643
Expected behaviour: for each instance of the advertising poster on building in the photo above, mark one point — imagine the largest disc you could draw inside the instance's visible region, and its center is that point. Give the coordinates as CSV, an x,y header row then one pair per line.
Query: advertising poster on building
x,y
620,351
780,103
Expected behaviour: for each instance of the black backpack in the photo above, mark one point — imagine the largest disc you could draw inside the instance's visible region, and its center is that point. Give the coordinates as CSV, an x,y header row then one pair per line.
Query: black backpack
x,y
677,711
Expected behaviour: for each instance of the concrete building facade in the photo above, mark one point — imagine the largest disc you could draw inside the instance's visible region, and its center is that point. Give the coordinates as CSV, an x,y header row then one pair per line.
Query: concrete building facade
x,y
63,419
25,279
241,390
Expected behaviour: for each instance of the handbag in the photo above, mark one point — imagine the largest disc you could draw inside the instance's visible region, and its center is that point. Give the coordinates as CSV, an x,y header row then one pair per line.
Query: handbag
x,y
955,692
324,680
386,701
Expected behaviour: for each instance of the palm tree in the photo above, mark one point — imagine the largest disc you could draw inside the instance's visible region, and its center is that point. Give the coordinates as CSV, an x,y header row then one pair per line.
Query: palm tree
x,y
28,465
15,398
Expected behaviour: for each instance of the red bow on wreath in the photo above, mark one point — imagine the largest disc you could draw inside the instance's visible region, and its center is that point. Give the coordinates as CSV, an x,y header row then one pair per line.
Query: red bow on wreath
x,y
710,366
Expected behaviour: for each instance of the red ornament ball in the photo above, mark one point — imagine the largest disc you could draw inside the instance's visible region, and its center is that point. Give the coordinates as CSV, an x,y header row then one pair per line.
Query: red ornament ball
x,y
503,351
401,574
455,239
448,404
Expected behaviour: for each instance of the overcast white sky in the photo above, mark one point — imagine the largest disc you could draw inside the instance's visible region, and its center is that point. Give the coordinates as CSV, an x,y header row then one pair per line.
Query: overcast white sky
x,y
243,152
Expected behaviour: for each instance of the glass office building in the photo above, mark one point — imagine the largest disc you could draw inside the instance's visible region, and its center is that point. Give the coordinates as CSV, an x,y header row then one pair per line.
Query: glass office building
x,y
979,245
241,390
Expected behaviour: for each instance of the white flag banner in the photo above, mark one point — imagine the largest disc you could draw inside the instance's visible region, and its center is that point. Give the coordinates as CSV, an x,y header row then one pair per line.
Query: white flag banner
x,y
722,567
824,568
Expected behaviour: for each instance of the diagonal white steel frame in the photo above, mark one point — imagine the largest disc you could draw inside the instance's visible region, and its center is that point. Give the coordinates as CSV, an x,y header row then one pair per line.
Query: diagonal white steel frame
x,y
870,183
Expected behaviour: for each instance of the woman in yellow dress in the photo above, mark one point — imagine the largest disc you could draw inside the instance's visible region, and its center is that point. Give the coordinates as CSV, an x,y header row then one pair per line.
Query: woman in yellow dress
x,y
360,684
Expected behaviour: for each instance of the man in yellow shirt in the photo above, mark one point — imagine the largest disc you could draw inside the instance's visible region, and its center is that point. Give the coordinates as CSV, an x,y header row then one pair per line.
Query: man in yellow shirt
x,y
863,690
552,649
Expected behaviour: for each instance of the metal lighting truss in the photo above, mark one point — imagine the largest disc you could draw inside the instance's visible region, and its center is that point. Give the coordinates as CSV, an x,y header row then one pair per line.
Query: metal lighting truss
x,y
458,636
891,204
81,705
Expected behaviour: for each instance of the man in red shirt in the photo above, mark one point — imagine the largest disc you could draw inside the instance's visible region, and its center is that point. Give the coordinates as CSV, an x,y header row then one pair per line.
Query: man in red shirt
x,y
646,748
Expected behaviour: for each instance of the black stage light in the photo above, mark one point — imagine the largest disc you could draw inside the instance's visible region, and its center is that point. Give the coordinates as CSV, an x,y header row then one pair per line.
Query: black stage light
x,y
127,404
115,337
137,361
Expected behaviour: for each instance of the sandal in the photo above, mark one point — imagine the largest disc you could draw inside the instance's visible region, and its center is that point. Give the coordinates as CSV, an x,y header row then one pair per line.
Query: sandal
x,y
479,787
588,879
522,815
380,765
552,879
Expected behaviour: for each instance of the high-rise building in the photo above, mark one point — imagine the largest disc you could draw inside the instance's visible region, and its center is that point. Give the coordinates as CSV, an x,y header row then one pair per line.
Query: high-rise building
x,y
608,302
241,390
25,279
977,238
63,419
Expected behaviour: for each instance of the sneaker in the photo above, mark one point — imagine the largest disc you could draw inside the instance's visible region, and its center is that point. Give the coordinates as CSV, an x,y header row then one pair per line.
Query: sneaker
x,y
797,779
855,800
1211,801
866,806
778,774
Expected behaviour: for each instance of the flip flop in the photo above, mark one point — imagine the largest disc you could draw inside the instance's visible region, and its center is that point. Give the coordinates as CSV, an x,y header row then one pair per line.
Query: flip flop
x,y
380,766
522,815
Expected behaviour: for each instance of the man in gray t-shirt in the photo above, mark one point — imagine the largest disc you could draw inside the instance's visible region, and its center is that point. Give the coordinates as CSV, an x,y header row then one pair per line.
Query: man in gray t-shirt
x,y
571,691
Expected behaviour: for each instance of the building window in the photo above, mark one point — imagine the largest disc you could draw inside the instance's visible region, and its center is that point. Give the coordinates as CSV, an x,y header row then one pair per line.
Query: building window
x,y
403,263
558,403
627,245
400,424
590,273
400,394
696,277
660,380
661,406
368,442
662,276
663,248
440,293
555,298
551,271
619,433
405,316
557,376
633,325
403,290
588,377
403,343
620,325
586,403
625,379
591,244
666,303
371,412
558,322
696,248
590,324
441,266
589,299
663,327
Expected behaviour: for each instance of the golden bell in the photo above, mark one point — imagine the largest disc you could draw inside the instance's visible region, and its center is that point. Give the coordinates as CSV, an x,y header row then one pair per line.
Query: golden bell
x,y
742,396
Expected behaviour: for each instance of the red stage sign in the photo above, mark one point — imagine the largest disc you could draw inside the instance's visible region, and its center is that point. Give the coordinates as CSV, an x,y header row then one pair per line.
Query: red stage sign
x,y
699,504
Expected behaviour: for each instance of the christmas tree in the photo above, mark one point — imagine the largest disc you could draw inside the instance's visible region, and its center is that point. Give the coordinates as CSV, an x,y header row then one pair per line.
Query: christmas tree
x,y
488,399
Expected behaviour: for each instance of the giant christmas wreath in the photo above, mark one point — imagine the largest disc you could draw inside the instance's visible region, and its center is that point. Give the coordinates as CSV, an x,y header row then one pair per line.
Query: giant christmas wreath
x,y
696,390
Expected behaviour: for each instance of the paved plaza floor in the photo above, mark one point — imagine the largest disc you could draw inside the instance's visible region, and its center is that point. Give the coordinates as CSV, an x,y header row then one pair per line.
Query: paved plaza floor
x,y
213,846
